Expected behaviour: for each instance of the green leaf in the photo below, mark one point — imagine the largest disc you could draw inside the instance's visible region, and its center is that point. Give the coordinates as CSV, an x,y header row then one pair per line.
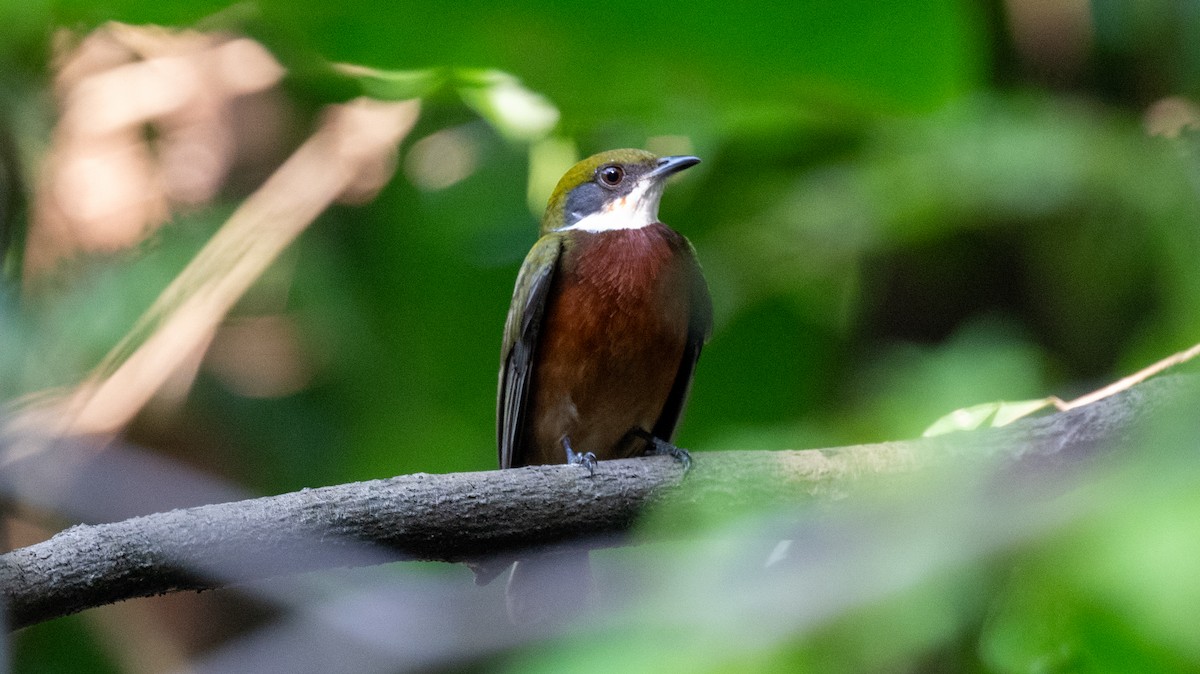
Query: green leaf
x,y
517,112
986,415
394,85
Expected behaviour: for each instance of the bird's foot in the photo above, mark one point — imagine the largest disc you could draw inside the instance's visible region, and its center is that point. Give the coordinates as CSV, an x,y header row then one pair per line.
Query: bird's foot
x,y
659,447
585,459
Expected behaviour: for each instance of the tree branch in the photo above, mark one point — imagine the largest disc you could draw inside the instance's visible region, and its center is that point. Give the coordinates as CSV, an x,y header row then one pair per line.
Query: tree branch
x,y
472,516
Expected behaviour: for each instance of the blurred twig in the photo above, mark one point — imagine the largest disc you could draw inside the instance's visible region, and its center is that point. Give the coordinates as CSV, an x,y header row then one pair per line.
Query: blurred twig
x,y
471,516
151,120
1132,380
1002,413
354,145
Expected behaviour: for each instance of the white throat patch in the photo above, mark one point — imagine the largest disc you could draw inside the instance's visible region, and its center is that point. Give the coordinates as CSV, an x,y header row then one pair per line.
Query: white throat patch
x,y
636,210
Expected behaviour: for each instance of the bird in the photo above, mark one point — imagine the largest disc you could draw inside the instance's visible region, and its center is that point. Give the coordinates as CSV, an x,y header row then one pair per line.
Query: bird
x,y
609,315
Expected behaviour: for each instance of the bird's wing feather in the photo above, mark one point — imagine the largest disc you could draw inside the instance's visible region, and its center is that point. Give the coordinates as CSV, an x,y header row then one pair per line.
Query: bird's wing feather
x,y
699,329
520,341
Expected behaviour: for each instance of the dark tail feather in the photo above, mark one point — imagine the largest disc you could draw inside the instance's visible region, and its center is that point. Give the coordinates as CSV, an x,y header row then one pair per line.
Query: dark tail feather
x,y
553,586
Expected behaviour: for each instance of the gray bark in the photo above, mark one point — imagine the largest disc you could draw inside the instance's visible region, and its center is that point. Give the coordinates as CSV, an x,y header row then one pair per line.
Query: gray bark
x,y
495,514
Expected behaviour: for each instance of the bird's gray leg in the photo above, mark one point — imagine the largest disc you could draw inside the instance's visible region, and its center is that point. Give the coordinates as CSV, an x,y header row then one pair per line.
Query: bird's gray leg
x,y
657,447
586,459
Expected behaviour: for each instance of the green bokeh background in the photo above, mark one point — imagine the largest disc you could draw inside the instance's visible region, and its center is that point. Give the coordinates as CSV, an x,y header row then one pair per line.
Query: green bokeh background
x,y
901,211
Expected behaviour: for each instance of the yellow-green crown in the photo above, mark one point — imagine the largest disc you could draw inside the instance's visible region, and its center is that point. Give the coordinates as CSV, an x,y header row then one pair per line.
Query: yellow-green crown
x,y
584,172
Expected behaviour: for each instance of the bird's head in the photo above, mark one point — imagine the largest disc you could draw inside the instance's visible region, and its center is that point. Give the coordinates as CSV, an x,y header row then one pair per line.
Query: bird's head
x,y
618,189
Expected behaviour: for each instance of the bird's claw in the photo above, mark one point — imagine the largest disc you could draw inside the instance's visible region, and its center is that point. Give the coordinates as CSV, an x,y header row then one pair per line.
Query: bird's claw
x,y
660,447
585,459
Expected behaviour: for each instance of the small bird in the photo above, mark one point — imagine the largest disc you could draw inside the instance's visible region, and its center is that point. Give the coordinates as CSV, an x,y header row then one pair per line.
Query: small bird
x,y
608,318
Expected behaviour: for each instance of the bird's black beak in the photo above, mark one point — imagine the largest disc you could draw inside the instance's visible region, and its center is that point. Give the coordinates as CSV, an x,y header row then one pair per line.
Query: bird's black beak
x,y
670,165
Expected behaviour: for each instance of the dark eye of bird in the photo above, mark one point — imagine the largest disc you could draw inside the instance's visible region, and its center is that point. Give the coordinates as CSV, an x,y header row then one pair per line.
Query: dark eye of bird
x,y
612,175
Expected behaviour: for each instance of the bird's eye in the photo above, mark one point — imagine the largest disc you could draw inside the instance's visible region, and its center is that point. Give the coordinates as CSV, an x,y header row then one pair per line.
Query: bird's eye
x,y
611,175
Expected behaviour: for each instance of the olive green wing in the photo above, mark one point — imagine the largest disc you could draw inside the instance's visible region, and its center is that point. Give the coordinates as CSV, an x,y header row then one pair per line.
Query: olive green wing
x,y
699,330
520,344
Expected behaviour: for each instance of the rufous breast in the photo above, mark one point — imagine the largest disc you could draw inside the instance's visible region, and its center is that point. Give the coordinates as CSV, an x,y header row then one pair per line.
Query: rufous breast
x,y
611,343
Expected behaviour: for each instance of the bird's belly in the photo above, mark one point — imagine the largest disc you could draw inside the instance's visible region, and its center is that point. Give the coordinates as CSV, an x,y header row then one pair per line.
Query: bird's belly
x,y
606,363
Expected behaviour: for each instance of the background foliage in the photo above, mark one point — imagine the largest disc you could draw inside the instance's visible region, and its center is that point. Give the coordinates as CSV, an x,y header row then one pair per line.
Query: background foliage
x,y
903,208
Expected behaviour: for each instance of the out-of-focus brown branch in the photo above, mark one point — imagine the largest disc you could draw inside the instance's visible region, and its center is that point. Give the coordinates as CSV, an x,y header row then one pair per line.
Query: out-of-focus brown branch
x,y
106,184
356,142
470,516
